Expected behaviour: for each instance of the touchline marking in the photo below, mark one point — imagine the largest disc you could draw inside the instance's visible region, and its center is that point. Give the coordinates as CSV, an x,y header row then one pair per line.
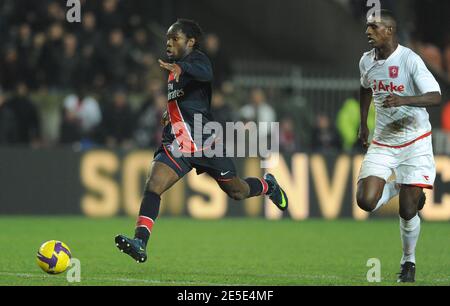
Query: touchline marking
x,y
151,281
125,280
154,281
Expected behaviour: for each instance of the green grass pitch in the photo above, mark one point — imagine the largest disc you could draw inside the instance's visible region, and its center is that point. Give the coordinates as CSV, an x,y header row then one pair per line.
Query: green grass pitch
x,y
185,252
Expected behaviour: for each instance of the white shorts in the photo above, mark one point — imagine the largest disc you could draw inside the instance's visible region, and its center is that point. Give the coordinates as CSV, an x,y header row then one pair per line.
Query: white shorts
x,y
413,165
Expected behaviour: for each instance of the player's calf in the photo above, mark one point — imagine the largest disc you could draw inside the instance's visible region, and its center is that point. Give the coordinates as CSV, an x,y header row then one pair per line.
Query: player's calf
x,y
239,189
408,209
237,195
422,200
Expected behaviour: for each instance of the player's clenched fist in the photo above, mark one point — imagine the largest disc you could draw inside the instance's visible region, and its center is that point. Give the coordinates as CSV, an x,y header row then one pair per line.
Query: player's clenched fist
x,y
393,101
165,118
363,136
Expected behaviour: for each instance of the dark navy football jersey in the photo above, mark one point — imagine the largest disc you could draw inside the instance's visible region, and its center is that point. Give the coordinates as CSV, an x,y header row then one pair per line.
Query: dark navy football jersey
x,y
190,96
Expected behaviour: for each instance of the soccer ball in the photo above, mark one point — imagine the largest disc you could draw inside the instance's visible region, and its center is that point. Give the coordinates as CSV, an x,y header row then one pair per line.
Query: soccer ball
x,y
53,257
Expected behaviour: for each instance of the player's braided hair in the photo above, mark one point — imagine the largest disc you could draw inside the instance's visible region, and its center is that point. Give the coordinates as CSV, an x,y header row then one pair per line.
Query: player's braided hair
x,y
191,29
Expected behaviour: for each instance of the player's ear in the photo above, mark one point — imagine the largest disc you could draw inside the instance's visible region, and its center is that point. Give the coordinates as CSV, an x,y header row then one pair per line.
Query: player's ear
x,y
191,42
390,29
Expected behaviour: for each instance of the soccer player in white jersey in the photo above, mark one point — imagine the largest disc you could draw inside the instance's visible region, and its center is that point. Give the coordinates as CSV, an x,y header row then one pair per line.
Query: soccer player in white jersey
x,y
401,87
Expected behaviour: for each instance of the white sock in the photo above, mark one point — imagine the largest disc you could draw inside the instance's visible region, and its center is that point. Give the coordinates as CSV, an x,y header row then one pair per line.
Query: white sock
x,y
409,232
391,189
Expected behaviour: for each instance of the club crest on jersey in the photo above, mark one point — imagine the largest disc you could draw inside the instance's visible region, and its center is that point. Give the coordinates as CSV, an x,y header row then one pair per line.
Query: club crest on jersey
x,y
393,72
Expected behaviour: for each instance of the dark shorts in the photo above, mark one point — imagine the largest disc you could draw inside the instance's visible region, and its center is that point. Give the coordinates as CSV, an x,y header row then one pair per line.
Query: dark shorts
x,y
219,168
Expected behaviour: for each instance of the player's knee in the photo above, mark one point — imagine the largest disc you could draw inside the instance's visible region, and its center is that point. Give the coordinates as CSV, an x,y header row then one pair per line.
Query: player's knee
x,y
408,213
154,186
408,207
366,203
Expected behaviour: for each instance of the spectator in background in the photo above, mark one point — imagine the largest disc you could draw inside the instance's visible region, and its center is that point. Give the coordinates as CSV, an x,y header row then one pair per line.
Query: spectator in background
x,y
110,17
142,59
81,119
24,45
70,129
221,64
8,125
288,142
116,58
446,118
447,60
445,135
140,45
55,13
26,115
222,113
135,14
88,34
69,62
37,45
24,39
88,73
258,110
155,87
52,53
348,121
432,56
324,136
118,121
148,128
12,69
90,5
36,58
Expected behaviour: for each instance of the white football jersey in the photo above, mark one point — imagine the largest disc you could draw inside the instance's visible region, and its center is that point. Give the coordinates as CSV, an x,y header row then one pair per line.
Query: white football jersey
x,y
404,74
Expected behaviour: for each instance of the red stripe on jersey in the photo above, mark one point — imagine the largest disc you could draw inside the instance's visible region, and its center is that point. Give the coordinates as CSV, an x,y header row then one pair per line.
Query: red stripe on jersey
x,y
171,77
425,186
403,145
179,128
146,222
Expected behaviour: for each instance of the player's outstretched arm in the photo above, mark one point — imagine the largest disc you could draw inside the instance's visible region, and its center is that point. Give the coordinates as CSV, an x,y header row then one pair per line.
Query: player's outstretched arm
x,y
365,98
426,100
199,70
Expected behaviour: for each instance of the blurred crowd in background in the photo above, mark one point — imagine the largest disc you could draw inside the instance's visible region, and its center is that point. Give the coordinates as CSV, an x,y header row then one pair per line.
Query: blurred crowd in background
x,y
98,81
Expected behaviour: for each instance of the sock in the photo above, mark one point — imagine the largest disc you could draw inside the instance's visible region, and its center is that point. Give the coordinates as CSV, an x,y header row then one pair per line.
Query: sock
x,y
409,232
257,186
147,215
390,190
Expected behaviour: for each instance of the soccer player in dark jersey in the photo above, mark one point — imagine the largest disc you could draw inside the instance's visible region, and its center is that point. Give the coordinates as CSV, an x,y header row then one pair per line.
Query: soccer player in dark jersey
x,y
189,94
